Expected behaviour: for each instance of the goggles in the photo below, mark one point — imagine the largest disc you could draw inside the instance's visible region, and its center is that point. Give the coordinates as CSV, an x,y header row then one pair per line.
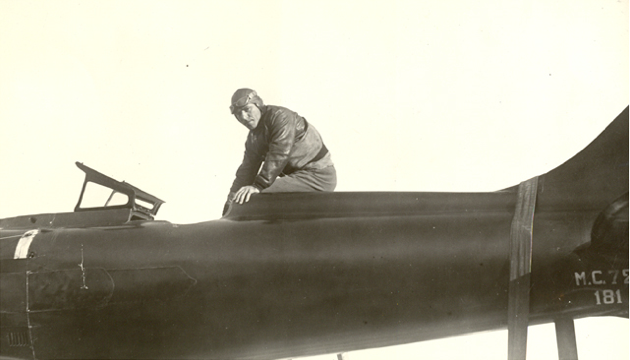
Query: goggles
x,y
242,101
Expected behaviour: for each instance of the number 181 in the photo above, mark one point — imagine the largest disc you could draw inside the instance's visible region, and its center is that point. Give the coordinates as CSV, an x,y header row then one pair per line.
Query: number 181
x,y
608,297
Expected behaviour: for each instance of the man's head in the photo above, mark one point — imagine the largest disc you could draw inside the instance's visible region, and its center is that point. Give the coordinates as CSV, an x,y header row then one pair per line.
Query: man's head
x,y
247,107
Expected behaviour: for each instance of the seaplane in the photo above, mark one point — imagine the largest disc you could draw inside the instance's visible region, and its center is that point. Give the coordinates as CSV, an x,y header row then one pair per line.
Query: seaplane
x,y
298,274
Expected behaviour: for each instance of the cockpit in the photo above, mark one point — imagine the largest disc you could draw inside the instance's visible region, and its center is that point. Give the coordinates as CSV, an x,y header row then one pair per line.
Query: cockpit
x,y
102,192
103,202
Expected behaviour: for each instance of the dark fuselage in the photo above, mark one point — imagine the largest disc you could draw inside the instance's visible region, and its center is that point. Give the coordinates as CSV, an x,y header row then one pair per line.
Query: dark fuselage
x,y
410,267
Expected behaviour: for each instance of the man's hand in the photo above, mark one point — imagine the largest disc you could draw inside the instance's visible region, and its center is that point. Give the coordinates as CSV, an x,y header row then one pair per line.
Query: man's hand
x,y
243,194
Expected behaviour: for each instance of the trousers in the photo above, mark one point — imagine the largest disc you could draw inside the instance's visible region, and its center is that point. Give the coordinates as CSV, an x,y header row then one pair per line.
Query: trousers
x,y
324,179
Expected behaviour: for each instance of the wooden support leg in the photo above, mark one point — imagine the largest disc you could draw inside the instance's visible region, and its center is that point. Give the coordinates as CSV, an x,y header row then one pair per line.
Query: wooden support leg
x,y
565,336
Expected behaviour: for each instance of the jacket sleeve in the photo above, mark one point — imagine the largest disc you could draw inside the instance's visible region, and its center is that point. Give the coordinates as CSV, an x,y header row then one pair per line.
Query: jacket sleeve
x,y
246,173
281,140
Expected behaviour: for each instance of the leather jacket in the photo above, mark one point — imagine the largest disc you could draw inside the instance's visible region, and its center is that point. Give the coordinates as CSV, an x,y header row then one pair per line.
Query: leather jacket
x,y
283,141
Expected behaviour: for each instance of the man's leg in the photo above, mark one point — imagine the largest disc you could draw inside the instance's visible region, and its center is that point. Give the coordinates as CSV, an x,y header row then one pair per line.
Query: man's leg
x,y
306,180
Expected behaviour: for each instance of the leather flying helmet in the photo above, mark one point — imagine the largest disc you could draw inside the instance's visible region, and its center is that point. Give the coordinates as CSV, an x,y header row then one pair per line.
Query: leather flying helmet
x,y
243,97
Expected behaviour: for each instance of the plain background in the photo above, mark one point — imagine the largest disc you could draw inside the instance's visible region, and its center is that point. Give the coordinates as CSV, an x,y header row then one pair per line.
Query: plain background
x,y
408,95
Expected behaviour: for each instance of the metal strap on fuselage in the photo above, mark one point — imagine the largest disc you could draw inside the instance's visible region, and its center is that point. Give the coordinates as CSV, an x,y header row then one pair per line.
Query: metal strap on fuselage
x,y
521,240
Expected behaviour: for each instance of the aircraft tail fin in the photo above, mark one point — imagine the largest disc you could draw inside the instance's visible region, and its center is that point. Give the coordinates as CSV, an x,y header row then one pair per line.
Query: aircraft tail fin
x,y
599,173
596,178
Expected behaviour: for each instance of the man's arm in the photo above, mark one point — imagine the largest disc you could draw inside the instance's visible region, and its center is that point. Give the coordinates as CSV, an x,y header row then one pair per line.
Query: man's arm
x,y
248,169
241,188
281,140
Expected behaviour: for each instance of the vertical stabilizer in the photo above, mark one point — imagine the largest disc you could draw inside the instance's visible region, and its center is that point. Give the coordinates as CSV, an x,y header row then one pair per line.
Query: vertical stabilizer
x,y
597,175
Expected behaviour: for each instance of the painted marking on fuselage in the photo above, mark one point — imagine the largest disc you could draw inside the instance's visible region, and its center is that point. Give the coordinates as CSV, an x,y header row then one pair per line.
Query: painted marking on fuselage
x,y
21,250
615,279
601,277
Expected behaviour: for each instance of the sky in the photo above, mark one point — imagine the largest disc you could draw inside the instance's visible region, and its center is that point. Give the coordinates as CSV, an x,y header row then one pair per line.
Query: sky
x,y
408,96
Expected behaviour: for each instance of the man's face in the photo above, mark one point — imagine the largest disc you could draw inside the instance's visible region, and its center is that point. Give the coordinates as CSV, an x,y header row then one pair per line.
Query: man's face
x,y
248,115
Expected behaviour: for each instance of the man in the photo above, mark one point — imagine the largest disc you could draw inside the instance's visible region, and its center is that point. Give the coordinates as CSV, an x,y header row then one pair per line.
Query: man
x,y
291,151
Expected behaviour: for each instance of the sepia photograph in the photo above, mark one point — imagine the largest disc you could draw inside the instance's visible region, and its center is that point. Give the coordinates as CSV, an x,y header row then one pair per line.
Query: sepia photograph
x,y
314,180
